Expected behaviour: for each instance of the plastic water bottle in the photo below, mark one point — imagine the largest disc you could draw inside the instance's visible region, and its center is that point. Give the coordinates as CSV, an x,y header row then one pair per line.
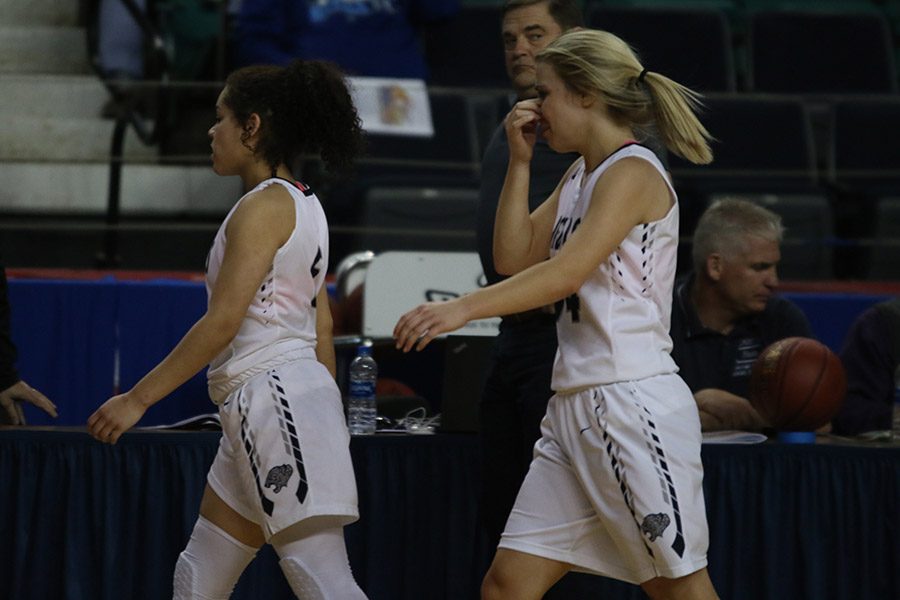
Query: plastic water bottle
x,y
361,400
895,421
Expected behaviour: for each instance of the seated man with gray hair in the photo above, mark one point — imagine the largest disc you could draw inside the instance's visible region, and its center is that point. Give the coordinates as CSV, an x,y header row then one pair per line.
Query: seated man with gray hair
x,y
726,311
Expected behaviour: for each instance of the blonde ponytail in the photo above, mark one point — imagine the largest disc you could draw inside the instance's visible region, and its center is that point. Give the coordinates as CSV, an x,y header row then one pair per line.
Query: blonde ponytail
x,y
593,62
674,108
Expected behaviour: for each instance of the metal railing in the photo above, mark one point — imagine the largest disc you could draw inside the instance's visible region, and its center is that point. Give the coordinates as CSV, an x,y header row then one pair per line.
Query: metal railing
x,y
148,130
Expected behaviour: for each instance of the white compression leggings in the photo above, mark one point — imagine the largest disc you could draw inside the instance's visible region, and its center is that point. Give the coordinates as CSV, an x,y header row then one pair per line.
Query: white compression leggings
x,y
316,566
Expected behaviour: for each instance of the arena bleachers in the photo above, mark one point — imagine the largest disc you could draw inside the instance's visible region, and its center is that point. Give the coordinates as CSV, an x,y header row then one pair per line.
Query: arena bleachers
x,y
820,53
703,60
799,97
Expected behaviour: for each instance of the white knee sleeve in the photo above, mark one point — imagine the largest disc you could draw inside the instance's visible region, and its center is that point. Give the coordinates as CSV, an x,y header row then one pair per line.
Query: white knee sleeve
x,y
317,568
302,580
210,565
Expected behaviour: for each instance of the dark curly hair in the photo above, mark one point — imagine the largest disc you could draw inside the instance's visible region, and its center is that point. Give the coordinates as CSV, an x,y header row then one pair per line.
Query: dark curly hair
x,y
304,108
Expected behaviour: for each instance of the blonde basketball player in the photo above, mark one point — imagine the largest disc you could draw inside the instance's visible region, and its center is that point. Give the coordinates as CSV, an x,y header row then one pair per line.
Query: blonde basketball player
x,y
283,473
615,487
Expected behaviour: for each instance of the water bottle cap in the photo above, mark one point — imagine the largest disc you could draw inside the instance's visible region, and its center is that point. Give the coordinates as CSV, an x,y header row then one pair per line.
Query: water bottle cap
x,y
364,350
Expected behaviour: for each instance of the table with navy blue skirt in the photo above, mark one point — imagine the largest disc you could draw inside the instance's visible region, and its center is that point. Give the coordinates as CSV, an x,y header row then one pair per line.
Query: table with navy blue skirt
x,y
80,520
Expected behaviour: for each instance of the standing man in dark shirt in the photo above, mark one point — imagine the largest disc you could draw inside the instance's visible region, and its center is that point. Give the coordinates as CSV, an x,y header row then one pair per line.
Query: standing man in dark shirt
x,y
518,382
14,391
726,311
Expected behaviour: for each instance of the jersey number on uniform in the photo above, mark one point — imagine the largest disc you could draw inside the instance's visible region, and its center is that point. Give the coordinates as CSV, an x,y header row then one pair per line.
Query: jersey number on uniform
x,y
314,270
565,227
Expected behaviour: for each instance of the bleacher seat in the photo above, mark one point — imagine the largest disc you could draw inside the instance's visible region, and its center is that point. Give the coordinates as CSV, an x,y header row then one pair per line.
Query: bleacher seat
x,y
419,218
467,50
843,6
865,145
719,4
690,45
820,53
884,262
451,153
490,109
449,158
762,144
863,164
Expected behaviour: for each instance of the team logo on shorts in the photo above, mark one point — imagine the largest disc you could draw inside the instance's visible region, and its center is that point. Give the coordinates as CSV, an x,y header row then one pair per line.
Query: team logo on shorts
x,y
278,478
653,525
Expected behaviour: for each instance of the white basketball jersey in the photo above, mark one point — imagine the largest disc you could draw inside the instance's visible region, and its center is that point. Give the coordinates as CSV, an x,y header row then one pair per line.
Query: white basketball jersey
x,y
280,324
616,327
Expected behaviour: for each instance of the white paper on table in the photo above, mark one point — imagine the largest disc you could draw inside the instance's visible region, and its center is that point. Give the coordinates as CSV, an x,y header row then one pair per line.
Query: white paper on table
x,y
733,437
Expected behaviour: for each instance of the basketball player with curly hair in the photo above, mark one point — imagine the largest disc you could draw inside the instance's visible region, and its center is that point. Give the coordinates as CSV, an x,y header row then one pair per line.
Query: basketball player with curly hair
x,y
283,473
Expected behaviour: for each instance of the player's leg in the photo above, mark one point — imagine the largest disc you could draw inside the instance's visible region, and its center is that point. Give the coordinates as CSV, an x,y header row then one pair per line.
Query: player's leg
x,y
221,546
645,437
314,560
215,510
696,586
552,527
519,575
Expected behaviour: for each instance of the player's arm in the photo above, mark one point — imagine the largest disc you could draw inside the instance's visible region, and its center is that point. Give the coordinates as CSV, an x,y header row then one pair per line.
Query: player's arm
x,y
631,192
324,332
257,229
522,237
259,226
12,397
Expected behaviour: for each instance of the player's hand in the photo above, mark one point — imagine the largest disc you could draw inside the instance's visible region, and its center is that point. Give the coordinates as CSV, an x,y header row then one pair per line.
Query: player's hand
x,y
12,397
116,416
419,326
521,125
721,411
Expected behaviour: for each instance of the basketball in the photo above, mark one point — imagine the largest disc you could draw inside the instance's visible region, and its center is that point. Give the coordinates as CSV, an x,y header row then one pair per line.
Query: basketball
x,y
797,384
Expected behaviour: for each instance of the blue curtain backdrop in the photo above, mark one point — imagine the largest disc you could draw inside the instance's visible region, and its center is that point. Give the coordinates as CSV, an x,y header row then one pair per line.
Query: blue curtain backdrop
x,y
65,333
68,334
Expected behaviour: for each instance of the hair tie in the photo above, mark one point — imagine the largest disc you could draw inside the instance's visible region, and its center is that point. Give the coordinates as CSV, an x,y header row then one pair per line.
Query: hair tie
x,y
640,77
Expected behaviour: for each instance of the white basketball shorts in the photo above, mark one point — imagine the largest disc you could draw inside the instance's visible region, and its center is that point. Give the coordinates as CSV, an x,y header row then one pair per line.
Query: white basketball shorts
x,y
285,450
615,486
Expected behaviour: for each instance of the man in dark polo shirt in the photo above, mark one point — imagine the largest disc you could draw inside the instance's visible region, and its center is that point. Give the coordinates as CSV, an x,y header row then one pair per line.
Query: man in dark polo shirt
x,y
726,311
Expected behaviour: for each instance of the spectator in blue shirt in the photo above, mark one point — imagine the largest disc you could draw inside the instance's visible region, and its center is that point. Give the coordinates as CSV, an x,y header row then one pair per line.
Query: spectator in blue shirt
x,y
375,38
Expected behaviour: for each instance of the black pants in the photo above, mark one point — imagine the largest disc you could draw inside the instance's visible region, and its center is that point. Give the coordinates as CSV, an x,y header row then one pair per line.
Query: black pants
x,y
513,403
